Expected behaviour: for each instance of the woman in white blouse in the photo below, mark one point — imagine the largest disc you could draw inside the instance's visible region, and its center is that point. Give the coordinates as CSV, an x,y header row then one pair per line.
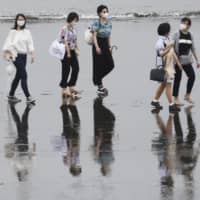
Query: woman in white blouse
x,y
18,45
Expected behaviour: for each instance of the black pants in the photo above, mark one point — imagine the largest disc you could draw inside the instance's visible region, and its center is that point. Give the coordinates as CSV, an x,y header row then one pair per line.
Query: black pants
x,y
191,78
22,128
102,64
21,75
69,64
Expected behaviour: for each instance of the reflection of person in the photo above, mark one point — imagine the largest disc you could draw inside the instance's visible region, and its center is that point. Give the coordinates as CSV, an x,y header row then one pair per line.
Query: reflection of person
x,y
162,146
186,152
175,157
104,122
22,153
71,137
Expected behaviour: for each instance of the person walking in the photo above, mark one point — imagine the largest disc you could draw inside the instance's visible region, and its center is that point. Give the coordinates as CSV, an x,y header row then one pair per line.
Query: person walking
x,y
103,62
68,36
18,45
165,57
185,48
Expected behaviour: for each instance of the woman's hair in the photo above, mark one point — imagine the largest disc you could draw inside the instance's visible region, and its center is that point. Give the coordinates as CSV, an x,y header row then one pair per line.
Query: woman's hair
x,y
186,19
164,29
16,19
101,8
72,16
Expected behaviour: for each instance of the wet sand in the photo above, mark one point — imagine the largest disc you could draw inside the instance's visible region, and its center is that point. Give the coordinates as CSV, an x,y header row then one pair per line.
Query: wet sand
x,y
125,152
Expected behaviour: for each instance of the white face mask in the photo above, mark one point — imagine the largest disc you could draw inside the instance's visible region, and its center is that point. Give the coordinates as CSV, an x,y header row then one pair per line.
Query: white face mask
x,y
105,15
183,27
21,23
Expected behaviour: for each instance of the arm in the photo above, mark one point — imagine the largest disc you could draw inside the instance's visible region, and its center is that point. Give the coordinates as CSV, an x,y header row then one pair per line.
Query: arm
x,y
194,52
177,61
31,48
109,43
166,50
67,49
96,43
196,58
6,47
76,48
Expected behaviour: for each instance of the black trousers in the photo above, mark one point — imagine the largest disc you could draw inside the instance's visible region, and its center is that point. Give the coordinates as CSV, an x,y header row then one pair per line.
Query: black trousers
x,y
102,64
191,78
21,75
69,64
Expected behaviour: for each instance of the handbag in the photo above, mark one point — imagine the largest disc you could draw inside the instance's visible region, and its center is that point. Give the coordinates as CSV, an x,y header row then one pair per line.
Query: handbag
x,y
88,36
10,69
158,74
57,50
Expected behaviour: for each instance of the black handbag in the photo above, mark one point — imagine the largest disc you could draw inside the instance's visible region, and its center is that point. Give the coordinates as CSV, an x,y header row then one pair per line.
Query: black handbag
x,y
158,74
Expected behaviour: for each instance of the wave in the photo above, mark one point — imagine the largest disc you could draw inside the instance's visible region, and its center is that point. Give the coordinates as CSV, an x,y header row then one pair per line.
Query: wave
x,y
121,17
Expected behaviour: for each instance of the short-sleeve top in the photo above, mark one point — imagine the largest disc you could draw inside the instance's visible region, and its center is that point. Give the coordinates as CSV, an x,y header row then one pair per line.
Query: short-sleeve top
x,y
160,46
69,36
103,30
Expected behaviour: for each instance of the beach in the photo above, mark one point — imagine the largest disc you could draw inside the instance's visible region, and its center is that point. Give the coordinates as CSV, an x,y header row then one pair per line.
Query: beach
x,y
135,154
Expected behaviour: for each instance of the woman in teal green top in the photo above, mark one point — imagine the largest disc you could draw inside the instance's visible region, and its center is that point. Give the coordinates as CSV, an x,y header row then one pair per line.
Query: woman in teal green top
x,y
103,62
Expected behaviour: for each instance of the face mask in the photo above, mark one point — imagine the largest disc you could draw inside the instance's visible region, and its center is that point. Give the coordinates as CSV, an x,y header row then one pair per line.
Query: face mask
x,y
183,27
105,15
20,23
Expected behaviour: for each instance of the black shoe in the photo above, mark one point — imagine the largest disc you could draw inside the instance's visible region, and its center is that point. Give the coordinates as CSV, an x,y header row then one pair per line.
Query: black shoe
x,y
174,108
13,99
102,91
156,105
155,111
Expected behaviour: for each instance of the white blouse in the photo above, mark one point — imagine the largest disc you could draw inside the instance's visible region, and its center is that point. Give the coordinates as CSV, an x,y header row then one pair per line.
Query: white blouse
x,y
21,41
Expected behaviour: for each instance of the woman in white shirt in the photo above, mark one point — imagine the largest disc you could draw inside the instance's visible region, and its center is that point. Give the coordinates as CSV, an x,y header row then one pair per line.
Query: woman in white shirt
x,y
18,45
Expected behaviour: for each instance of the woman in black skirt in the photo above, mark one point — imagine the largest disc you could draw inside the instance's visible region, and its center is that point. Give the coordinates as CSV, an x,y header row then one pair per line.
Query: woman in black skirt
x,y
103,62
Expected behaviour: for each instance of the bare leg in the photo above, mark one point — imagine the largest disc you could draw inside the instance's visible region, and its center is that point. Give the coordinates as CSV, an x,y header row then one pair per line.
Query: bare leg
x,y
159,91
169,92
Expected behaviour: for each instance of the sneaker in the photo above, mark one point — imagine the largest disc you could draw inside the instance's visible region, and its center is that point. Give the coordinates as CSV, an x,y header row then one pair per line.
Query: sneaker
x,y
156,105
174,108
30,100
178,102
102,91
13,99
189,99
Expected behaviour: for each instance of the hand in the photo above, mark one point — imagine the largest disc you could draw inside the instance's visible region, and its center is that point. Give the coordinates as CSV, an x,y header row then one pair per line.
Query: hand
x,y
32,59
69,56
198,64
170,45
180,66
98,50
77,52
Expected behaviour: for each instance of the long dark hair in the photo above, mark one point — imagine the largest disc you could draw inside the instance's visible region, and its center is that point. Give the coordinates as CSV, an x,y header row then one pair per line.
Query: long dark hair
x,y
16,18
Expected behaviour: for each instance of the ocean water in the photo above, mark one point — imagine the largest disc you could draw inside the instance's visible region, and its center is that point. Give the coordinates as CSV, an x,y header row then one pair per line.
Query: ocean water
x,y
126,9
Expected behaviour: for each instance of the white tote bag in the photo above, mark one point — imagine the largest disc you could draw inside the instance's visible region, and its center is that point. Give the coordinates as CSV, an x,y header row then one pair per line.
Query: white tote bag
x,y
10,69
88,36
57,50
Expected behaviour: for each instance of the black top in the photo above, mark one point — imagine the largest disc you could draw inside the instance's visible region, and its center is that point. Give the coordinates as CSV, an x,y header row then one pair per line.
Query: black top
x,y
185,43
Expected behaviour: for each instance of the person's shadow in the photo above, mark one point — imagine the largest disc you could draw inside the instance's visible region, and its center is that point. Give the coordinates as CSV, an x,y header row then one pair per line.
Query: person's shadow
x,y
22,152
71,136
104,125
